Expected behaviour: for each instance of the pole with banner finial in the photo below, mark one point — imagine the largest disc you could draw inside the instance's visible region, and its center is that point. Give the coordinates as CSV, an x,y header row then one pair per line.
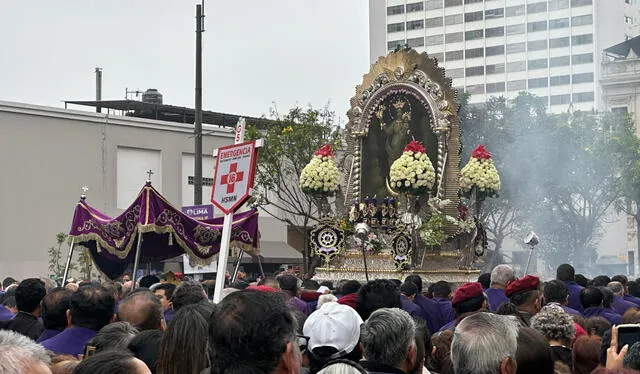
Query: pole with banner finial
x,y
85,189
149,174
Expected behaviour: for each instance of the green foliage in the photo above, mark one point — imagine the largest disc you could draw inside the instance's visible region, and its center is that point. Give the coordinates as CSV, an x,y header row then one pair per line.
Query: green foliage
x,y
85,262
432,231
57,257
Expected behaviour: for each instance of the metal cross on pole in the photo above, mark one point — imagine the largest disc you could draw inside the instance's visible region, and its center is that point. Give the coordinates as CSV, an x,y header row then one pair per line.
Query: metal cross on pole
x,y
149,174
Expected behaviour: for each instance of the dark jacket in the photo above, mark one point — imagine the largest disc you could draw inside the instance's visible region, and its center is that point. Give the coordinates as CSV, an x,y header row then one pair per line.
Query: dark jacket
x,y
24,323
377,368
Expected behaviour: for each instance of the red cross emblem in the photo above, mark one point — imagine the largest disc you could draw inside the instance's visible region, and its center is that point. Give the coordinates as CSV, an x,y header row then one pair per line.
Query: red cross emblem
x,y
233,177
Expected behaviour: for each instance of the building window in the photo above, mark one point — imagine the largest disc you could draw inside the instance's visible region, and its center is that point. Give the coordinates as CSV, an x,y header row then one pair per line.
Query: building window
x,y
558,4
448,3
537,7
394,44
454,55
476,89
559,80
582,78
537,26
453,37
587,19
628,20
433,4
474,52
494,31
582,97
518,85
575,3
455,73
415,7
433,22
583,58
516,48
517,10
494,51
453,19
621,110
559,42
495,87
559,61
559,23
582,39
494,69
415,42
538,83
474,70
415,25
472,1
473,34
438,56
560,99
515,66
435,39
494,13
205,181
393,10
473,16
515,29
539,63
537,45
395,27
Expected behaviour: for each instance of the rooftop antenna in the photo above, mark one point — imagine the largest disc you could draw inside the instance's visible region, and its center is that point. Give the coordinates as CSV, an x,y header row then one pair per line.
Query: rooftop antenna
x,y
128,92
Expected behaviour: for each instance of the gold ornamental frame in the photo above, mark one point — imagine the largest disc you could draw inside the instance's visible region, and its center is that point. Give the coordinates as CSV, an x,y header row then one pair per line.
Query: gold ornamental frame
x,y
407,72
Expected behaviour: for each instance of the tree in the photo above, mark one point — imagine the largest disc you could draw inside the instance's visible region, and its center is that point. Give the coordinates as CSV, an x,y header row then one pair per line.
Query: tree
x,y
57,258
289,145
85,263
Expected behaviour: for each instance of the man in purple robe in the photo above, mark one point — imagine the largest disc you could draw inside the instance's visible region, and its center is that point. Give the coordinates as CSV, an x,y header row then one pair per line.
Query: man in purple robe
x,y
408,292
591,299
441,294
290,286
619,304
625,283
29,294
90,309
555,292
54,312
566,273
467,299
8,308
164,293
501,276
428,307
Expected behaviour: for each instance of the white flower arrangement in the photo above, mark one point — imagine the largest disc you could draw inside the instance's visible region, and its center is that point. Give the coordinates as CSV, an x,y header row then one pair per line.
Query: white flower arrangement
x,y
480,173
412,171
320,176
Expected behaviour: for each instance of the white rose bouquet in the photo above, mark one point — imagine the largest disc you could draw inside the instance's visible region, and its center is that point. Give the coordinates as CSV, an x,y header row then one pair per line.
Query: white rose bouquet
x,y
320,176
412,172
480,173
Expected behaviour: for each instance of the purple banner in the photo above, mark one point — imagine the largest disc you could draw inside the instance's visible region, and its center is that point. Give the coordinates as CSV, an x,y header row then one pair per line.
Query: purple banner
x,y
166,233
199,212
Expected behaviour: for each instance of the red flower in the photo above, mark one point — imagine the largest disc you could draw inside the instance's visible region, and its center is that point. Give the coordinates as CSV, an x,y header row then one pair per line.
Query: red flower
x,y
415,147
325,151
462,211
481,152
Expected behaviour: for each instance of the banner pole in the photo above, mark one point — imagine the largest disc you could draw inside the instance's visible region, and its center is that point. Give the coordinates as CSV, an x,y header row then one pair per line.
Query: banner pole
x,y
136,260
66,268
223,257
237,267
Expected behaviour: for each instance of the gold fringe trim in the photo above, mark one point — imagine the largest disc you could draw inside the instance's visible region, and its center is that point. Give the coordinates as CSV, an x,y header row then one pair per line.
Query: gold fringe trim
x,y
389,271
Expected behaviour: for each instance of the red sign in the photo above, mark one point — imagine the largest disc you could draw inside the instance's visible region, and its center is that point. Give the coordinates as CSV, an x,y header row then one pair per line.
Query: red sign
x,y
233,179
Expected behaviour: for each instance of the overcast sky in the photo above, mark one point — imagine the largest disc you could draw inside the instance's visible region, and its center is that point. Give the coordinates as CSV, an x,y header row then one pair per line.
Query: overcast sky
x,y
255,52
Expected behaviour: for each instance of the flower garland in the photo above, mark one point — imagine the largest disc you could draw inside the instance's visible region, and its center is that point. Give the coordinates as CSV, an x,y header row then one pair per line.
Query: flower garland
x,y
412,172
480,173
372,245
320,176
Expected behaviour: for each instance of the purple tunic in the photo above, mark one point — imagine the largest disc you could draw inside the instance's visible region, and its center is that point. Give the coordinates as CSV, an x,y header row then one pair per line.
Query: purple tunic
x,y
47,334
574,295
633,299
570,311
598,311
429,310
411,308
5,314
446,313
448,326
70,341
620,305
168,315
299,305
496,298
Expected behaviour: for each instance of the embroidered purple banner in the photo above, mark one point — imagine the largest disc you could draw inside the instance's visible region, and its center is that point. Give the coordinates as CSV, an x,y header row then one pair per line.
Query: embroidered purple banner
x,y
166,233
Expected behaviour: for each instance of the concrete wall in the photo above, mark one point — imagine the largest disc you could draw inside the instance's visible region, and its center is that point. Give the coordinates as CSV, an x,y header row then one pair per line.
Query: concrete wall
x,y
48,154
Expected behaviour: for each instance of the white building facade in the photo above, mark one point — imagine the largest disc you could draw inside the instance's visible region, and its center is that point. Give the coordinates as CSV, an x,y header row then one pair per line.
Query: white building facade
x,y
502,47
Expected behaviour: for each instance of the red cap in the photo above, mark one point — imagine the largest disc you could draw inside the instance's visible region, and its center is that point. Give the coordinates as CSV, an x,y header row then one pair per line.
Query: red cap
x,y
526,283
466,292
262,288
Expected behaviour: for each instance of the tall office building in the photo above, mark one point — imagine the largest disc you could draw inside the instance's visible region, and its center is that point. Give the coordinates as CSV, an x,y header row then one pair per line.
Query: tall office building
x,y
501,47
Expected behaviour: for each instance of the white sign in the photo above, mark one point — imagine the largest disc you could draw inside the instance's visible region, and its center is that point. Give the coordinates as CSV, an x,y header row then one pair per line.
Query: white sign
x,y
233,179
240,131
198,269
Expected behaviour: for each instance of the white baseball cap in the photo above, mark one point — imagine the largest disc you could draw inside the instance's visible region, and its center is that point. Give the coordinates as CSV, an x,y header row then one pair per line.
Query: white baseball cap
x,y
333,325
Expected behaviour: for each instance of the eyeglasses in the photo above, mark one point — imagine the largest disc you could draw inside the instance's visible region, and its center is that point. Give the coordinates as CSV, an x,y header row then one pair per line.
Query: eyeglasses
x,y
303,342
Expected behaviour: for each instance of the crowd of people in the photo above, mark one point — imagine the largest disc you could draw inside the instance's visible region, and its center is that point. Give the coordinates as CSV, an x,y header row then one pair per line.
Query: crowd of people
x,y
280,324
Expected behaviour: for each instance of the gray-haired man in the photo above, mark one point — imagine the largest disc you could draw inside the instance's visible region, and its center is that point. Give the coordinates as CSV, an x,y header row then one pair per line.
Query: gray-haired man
x,y
485,343
388,342
21,355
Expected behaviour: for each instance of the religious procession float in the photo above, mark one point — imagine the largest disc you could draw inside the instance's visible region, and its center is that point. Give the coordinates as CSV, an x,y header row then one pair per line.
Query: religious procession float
x,y
406,205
